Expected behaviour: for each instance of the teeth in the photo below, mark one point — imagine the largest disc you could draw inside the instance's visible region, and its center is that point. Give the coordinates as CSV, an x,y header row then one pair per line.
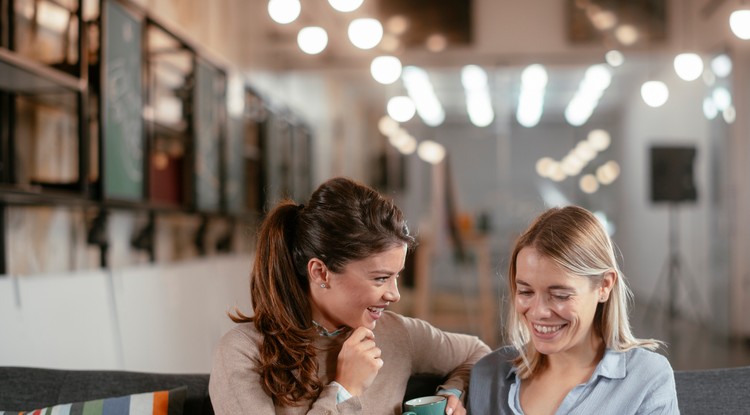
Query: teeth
x,y
375,309
546,329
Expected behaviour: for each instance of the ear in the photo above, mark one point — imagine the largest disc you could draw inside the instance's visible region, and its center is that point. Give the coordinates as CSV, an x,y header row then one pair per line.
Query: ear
x,y
607,284
317,271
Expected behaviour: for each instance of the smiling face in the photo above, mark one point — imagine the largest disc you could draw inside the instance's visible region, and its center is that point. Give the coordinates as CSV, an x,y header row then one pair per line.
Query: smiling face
x,y
356,296
557,308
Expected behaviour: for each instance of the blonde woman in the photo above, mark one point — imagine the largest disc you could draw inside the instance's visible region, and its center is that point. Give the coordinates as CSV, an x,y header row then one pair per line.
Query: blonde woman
x,y
572,350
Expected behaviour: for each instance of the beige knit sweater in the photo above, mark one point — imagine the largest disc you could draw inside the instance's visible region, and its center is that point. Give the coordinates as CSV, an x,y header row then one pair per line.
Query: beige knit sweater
x,y
409,346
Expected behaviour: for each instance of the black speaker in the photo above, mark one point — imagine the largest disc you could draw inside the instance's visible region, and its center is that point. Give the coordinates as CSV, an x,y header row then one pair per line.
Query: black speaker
x,y
672,174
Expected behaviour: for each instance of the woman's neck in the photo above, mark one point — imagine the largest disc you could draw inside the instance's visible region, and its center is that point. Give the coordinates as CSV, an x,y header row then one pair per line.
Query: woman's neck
x,y
587,356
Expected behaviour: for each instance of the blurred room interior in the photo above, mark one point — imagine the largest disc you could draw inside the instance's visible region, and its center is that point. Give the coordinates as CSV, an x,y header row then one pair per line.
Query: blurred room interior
x,y
142,139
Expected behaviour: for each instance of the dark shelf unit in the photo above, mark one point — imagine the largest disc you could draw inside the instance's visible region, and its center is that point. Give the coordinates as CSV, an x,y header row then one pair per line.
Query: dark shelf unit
x,y
239,144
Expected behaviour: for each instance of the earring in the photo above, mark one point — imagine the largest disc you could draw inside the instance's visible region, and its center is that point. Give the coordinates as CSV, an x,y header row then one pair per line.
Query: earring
x,y
323,285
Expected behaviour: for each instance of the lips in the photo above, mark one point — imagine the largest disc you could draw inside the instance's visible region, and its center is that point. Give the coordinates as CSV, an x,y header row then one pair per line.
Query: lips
x,y
547,330
376,311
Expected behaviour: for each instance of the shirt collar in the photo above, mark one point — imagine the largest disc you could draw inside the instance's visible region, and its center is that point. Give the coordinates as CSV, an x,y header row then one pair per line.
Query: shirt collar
x,y
511,372
323,332
612,366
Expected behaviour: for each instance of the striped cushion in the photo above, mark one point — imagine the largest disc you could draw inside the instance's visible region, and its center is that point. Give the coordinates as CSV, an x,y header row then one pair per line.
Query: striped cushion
x,y
151,403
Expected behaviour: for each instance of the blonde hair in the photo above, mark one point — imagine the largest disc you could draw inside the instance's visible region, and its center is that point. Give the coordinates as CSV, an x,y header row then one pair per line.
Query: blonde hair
x,y
577,242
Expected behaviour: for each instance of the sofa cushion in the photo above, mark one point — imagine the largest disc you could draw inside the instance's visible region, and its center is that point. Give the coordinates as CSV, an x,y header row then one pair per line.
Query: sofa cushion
x,y
713,391
25,388
166,402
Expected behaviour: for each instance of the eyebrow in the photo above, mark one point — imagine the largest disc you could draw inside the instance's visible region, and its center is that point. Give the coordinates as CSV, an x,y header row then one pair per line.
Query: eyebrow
x,y
385,271
551,287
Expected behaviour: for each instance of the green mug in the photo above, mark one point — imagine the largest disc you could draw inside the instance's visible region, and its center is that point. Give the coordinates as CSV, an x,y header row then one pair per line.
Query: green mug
x,y
426,405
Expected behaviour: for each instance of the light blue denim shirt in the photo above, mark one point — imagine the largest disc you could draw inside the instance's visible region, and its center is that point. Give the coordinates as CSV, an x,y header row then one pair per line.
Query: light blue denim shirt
x,y
634,382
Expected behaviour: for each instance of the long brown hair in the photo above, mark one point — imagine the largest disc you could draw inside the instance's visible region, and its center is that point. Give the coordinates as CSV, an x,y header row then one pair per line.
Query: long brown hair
x,y
343,221
576,240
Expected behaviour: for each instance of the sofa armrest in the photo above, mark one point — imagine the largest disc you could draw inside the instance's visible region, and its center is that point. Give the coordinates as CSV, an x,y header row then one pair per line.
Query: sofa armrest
x,y
25,388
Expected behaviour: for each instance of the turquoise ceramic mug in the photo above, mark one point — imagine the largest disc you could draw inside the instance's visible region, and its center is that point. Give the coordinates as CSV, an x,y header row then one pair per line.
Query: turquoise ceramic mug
x,y
426,405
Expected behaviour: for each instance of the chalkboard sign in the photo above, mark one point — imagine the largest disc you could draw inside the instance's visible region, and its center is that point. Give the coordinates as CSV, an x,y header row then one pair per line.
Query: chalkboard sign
x,y
122,104
235,180
209,102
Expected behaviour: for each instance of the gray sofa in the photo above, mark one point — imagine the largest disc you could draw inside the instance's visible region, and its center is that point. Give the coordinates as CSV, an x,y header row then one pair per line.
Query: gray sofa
x,y
706,392
24,389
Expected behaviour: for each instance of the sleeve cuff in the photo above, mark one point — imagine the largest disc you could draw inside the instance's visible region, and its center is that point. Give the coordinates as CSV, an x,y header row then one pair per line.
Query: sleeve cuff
x,y
451,391
343,394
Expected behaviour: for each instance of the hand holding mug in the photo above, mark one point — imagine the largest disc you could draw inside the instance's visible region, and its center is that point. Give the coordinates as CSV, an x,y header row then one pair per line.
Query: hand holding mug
x,y
434,405
454,405
358,361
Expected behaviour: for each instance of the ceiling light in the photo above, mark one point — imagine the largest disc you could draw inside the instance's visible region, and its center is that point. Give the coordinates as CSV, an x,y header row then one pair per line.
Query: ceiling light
x,y
397,24
387,125
584,151
721,65
404,142
572,165
436,43
596,79
603,19
688,66
431,151
626,34
365,33
399,137
284,11
312,40
476,89
401,108
608,172
709,108
421,91
531,98
654,93
544,166
408,147
722,98
739,21
345,5
389,43
729,114
588,184
599,139
386,69
556,173
614,58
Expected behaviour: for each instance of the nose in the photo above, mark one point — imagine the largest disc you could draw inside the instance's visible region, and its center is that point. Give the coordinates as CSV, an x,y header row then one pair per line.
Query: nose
x,y
539,307
391,294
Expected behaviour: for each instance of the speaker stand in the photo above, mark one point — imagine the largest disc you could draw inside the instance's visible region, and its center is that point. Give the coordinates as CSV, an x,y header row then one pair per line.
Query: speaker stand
x,y
673,265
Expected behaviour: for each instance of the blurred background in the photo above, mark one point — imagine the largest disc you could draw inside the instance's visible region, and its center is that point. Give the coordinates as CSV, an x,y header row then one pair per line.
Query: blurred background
x,y
142,140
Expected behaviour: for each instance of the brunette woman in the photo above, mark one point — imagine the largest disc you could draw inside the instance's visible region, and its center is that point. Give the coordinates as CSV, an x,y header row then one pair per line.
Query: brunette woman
x,y
320,339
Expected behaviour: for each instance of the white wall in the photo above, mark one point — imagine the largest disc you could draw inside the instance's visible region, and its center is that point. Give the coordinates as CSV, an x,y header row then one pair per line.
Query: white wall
x,y
644,237
153,318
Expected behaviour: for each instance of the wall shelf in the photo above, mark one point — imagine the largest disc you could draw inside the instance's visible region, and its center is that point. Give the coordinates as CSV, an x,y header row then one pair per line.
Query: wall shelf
x,y
24,76
138,124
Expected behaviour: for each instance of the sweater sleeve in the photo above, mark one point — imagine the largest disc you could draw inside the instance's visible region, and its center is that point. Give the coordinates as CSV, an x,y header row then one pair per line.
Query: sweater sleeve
x,y
442,353
235,385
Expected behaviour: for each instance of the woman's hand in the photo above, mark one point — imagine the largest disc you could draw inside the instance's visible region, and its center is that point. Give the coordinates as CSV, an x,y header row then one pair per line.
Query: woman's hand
x,y
358,362
454,406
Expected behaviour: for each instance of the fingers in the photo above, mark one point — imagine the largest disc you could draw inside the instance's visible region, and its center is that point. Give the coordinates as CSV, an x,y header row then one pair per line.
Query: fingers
x,y
360,334
454,405
363,341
